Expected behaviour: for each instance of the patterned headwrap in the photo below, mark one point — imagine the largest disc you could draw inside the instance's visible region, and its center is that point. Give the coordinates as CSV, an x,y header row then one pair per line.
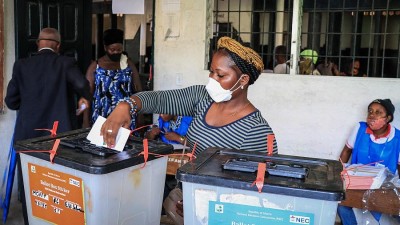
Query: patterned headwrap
x,y
246,59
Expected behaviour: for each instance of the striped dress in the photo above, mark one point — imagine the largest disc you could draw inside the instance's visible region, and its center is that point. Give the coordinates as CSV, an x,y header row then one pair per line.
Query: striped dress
x,y
248,133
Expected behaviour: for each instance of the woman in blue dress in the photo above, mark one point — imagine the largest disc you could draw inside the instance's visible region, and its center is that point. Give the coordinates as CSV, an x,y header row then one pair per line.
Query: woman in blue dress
x,y
112,77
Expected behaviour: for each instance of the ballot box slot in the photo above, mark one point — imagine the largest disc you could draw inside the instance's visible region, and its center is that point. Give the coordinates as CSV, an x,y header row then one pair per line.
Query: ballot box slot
x,y
275,157
245,165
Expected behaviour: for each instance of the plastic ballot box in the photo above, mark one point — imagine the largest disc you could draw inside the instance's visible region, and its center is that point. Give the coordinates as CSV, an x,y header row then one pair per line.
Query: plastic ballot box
x,y
81,187
219,188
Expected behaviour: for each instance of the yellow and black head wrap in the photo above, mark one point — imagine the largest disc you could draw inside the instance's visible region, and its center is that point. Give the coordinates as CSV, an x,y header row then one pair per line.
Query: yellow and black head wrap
x,y
246,59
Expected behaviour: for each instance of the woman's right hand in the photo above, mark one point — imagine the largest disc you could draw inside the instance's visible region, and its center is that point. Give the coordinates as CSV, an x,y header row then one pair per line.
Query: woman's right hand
x,y
120,117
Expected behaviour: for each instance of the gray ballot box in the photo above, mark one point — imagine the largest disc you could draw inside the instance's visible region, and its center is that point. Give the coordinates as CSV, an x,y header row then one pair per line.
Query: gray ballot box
x,y
218,188
81,187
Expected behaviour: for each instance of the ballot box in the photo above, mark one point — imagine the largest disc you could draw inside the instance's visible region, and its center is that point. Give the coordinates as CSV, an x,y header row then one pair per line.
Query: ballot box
x,y
81,187
218,188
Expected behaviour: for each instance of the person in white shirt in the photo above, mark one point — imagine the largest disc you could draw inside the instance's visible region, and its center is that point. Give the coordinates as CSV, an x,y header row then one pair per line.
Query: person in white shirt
x,y
281,63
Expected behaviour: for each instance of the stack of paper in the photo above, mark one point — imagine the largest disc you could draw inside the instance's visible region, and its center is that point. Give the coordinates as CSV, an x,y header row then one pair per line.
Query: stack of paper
x,y
364,177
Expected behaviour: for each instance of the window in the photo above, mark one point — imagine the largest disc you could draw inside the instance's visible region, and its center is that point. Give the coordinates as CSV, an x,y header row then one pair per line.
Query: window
x,y
337,37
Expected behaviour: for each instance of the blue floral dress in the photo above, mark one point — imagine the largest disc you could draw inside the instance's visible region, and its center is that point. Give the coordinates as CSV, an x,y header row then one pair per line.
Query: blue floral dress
x,y
110,87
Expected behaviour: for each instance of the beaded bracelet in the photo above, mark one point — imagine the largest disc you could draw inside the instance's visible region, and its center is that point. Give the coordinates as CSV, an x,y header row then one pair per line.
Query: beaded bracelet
x,y
132,104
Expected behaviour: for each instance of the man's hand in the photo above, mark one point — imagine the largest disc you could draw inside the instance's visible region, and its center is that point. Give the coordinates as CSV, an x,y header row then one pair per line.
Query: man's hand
x,y
83,104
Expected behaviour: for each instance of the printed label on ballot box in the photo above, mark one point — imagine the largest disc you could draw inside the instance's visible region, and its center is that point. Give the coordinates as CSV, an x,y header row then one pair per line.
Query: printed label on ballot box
x,y
55,196
221,213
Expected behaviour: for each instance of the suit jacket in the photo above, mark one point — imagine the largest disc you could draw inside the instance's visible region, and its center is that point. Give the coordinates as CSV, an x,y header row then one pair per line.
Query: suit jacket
x,y
43,89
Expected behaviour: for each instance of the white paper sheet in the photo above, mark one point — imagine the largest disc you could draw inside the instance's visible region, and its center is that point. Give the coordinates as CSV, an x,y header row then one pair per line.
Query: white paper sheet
x,y
95,138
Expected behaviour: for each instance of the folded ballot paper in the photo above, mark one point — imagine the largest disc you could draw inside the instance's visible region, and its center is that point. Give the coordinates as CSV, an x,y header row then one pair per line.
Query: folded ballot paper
x,y
364,177
95,138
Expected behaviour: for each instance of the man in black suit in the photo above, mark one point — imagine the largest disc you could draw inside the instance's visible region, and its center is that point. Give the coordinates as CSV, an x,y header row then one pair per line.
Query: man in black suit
x,y
42,90
42,86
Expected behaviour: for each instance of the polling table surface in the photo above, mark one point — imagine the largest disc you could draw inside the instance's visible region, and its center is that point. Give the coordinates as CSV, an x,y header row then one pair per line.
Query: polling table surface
x,y
383,200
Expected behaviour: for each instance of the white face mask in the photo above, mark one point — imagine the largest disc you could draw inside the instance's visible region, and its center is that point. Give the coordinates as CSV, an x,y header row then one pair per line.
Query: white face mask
x,y
217,92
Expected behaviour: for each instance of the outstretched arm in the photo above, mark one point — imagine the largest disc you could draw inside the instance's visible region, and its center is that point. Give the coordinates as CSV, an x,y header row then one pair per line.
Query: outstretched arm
x,y
175,102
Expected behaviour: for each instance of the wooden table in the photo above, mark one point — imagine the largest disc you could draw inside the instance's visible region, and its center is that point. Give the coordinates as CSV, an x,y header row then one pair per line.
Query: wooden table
x,y
175,161
380,200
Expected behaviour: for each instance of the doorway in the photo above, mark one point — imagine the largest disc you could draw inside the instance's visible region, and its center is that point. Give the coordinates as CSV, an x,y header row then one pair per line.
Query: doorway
x,y
138,46
138,39
70,17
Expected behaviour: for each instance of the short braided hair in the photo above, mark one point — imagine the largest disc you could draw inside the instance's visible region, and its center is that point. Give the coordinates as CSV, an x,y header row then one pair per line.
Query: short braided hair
x,y
246,59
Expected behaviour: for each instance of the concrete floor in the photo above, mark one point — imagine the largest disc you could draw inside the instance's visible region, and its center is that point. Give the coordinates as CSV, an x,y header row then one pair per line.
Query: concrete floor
x,y
14,214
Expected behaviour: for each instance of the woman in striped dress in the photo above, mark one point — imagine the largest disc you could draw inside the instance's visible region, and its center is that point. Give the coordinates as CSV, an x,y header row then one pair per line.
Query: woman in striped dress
x,y
222,114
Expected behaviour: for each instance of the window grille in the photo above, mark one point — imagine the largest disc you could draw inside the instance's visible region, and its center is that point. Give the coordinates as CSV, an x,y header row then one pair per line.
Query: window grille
x,y
341,34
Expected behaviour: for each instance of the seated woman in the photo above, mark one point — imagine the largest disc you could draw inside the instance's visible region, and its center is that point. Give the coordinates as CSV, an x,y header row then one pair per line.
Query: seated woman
x,y
171,129
372,141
